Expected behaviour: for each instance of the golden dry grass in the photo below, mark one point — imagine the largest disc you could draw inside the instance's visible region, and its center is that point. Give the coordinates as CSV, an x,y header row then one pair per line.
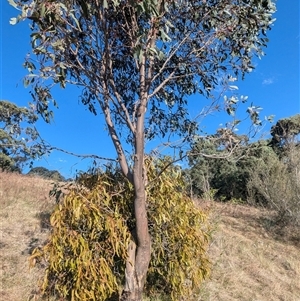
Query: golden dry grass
x,y
251,261
23,211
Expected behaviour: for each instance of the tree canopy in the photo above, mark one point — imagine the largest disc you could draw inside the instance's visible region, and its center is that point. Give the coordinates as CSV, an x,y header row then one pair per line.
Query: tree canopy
x,y
285,132
17,136
123,51
46,173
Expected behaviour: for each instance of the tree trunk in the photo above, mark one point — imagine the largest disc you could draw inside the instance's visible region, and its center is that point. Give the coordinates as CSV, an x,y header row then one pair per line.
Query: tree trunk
x,y
136,268
139,252
135,275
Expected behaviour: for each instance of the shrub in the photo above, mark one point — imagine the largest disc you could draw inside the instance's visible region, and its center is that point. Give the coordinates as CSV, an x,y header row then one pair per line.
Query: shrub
x,y
87,250
276,184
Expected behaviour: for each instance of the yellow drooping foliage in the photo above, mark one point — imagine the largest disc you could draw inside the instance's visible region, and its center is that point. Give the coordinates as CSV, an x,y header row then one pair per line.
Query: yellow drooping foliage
x,y
87,248
179,232
86,253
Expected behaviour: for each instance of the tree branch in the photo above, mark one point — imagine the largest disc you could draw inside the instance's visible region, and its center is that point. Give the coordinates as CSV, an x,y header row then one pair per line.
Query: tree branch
x,y
81,156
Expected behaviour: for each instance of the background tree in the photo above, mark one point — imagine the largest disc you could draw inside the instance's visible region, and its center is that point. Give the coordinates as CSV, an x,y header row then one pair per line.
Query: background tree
x,y
274,183
214,165
277,184
17,136
227,177
285,133
46,173
262,173
138,62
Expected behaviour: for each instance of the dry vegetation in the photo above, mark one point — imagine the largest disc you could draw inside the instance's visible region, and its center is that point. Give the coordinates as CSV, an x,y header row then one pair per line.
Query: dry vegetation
x,y
25,208
252,259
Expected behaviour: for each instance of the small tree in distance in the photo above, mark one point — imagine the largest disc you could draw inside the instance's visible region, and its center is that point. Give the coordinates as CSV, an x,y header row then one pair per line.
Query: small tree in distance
x,y
138,62
285,133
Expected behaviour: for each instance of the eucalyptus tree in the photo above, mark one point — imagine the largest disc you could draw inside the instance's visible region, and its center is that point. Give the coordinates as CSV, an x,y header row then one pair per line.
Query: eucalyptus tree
x,y
215,162
285,133
18,136
138,62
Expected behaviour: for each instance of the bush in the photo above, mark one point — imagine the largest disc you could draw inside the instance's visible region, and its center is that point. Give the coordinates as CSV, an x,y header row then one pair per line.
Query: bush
x,y
275,183
86,254
227,177
7,163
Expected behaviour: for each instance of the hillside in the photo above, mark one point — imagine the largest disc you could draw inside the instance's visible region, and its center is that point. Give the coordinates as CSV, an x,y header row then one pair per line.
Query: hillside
x,y
252,260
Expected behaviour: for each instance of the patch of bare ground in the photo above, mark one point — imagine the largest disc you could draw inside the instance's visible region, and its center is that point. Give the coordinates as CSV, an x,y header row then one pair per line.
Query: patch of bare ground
x,y
252,260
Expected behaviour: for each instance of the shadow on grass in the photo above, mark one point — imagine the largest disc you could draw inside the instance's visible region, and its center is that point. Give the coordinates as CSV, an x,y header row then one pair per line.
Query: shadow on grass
x,y
263,222
280,230
44,218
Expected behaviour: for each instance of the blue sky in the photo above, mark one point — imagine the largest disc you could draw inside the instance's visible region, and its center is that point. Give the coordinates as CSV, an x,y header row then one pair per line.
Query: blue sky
x,y
273,85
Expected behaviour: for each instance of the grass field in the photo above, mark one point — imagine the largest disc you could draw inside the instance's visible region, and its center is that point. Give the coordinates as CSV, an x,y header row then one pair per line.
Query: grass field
x,y
252,260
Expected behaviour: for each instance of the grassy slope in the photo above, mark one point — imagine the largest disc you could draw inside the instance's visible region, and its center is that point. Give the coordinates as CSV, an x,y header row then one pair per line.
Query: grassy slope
x,y
249,261
23,203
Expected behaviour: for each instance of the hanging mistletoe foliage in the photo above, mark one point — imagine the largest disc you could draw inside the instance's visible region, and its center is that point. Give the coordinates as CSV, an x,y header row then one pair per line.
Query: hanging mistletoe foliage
x,y
93,227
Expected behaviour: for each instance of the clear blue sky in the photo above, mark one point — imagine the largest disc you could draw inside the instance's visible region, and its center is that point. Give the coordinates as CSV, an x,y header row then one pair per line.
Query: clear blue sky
x,y
273,85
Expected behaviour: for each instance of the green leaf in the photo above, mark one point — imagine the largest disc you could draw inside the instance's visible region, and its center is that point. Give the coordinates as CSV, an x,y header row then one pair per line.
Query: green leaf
x,y
26,82
141,54
236,122
153,50
230,111
76,21
233,100
164,36
270,118
62,65
244,98
161,55
84,8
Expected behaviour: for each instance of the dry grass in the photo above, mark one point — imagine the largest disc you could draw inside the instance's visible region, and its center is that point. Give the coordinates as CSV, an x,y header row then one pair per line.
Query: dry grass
x,y
24,206
251,261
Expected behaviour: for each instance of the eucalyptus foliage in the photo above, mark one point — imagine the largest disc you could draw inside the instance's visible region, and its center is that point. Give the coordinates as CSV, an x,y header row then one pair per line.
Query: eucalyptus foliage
x,y
285,132
17,136
118,49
